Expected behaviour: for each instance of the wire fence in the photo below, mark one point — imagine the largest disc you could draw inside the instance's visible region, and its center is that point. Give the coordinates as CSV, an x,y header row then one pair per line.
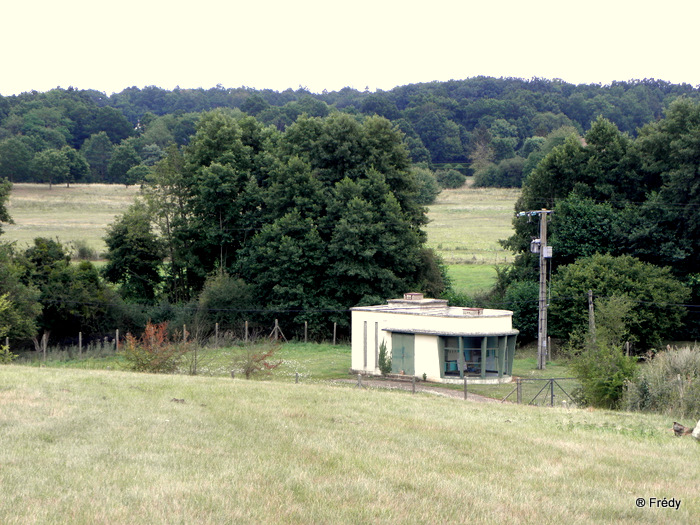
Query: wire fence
x,y
553,391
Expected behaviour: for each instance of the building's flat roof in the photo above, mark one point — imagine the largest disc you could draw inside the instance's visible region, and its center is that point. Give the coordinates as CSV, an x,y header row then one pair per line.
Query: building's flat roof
x,y
448,333
432,307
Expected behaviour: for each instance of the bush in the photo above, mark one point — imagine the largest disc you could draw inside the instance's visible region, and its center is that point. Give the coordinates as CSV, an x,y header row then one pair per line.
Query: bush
x,y
428,187
603,371
153,351
6,357
668,384
384,360
83,252
522,297
450,179
657,295
255,360
506,174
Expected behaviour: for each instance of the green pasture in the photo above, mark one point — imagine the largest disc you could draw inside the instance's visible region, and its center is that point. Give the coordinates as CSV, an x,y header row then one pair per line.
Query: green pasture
x,y
311,361
472,278
467,223
90,446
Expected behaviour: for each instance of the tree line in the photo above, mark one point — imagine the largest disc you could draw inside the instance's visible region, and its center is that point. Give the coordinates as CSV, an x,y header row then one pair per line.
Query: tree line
x,y
325,211
246,222
625,224
496,128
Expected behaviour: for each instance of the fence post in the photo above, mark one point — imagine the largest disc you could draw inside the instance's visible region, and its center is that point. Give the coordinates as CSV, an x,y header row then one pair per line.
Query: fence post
x,y
116,340
246,331
520,390
80,343
465,387
306,331
216,335
296,378
551,390
184,333
335,328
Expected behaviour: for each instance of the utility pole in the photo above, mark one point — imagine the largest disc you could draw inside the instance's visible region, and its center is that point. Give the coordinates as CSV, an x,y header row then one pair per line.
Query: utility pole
x,y
540,246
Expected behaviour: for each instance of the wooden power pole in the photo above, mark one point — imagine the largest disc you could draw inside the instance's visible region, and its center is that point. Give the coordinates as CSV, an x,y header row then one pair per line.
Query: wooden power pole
x,y
545,252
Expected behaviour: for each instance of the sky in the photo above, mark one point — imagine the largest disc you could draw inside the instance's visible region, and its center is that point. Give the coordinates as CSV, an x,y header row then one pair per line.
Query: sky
x,y
326,45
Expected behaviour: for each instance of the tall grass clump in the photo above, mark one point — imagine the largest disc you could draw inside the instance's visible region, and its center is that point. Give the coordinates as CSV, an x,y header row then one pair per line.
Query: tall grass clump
x,y
668,384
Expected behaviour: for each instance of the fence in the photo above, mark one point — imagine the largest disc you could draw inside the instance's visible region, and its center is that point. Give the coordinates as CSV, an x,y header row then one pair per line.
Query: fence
x,y
546,392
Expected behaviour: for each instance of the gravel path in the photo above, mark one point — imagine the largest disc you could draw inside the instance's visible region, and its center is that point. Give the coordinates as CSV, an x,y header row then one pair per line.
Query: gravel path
x,y
420,387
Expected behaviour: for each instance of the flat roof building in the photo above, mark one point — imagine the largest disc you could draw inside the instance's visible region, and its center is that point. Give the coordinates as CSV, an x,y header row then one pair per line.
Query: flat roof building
x,y
426,336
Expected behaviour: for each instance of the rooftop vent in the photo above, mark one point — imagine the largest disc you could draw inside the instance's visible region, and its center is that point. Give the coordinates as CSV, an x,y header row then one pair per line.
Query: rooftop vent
x,y
413,296
472,312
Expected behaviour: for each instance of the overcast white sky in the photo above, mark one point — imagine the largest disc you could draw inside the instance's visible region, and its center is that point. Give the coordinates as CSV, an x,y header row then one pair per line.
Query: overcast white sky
x,y
380,44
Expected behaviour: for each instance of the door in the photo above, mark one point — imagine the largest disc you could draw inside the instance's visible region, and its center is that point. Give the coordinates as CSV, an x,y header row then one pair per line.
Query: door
x,y
402,352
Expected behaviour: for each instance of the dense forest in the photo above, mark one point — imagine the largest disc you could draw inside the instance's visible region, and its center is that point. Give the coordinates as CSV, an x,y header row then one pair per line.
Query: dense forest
x,y
299,206
482,124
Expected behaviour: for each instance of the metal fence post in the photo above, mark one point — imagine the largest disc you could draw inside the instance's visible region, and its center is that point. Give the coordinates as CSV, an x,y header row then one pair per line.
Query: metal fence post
x,y
551,390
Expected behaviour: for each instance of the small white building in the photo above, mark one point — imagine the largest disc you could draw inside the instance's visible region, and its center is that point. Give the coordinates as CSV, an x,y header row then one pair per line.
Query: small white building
x,y
426,336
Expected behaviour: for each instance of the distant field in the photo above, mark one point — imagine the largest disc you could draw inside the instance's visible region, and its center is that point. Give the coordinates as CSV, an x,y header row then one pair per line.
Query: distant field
x,y
79,213
472,278
465,224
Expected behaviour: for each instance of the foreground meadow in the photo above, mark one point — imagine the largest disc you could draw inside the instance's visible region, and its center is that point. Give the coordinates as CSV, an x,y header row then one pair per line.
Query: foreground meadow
x,y
89,446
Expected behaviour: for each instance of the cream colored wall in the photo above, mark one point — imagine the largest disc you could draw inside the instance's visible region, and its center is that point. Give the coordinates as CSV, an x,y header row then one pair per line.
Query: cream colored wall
x,y
427,359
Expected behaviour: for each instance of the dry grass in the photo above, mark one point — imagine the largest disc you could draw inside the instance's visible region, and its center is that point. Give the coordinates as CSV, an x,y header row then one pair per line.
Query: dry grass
x,y
86,447
79,213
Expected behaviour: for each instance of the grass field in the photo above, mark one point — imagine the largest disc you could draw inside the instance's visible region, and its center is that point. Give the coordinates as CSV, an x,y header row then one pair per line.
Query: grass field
x,y
466,224
81,212
99,447
472,278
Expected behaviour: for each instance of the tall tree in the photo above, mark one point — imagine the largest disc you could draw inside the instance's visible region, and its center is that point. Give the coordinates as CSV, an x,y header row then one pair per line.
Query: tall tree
x,y
135,255
97,150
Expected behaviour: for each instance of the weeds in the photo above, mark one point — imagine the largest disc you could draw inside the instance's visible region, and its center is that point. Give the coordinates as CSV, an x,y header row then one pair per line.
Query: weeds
x,y
668,384
254,360
153,351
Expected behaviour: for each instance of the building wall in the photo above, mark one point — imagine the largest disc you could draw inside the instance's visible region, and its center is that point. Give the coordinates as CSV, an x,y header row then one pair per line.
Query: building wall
x,y
369,330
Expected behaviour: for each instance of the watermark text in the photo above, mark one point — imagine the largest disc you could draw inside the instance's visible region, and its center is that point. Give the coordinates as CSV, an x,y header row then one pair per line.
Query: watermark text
x,y
658,503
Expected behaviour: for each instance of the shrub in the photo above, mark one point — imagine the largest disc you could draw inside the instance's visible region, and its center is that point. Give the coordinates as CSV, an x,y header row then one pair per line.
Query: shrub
x,y
522,297
153,351
384,360
83,252
506,174
428,187
668,384
603,371
6,357
450,179
255,360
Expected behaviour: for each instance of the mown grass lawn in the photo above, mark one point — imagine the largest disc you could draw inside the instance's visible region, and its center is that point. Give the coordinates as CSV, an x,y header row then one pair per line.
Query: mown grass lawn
x,y
90,446
472,278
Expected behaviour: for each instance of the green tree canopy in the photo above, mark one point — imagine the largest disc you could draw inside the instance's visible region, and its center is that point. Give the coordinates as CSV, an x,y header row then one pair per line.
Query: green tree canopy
x,y
657,295
135,255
